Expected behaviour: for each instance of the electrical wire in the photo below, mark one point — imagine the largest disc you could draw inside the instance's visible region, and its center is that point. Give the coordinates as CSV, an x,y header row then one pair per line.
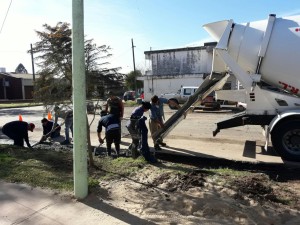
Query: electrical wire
x,y
5,16
115,58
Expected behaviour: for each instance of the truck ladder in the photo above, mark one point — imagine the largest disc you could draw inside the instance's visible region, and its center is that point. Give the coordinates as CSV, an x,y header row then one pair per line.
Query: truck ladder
x,y
211,83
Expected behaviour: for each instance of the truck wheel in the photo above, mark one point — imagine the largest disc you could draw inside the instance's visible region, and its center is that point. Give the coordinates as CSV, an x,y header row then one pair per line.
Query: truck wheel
x,y
286,140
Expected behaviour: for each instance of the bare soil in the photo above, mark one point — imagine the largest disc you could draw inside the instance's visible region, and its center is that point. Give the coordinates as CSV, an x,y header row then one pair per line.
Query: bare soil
x,y
199,197
194,190
199,193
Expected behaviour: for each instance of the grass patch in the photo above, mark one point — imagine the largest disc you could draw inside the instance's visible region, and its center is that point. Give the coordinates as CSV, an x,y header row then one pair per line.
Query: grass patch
x,y
230,172
18,104
130,103
53,169
37,168
120,167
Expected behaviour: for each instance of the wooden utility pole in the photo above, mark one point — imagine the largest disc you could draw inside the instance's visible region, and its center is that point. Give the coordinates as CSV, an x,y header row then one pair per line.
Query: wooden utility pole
x,y
32,63
135,86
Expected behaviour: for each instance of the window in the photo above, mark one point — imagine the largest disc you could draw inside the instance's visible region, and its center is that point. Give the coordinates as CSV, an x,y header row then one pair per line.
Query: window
x,y
187,91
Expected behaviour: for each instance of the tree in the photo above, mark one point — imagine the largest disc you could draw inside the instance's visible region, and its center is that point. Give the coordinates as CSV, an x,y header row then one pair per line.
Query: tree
x,y
53,54
131,78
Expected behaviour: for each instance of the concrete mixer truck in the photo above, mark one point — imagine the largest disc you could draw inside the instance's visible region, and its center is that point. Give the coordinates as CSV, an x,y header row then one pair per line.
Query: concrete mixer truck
x,y
265,58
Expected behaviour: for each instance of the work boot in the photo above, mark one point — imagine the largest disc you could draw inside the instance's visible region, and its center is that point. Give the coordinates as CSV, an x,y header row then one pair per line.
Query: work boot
x,y
156,147
163,144
65,142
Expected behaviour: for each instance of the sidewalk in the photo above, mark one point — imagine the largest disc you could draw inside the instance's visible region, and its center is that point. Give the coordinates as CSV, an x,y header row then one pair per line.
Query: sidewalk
x,y
21,204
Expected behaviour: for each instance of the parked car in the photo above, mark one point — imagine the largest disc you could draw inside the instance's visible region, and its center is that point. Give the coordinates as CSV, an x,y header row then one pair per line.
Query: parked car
x,y
129,95
241,106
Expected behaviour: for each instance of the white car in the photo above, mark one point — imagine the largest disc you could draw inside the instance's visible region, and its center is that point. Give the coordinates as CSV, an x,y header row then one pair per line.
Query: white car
x,y
241,105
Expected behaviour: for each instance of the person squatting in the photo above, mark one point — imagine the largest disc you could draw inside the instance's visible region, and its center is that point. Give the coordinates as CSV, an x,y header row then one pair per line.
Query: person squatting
x,y
18,131
111,123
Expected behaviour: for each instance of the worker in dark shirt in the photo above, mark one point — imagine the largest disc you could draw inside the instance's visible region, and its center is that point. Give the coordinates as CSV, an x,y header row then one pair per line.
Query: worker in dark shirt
x,y
18,131
134,128
114,105
112,132
47,128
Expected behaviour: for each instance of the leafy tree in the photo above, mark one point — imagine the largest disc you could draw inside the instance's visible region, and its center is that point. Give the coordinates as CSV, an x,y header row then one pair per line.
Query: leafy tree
x,y
131,78
53,54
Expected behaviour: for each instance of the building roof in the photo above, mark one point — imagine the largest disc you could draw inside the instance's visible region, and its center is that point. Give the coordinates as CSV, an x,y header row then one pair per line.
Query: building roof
x,y
24,75
20,75
174,50
182,49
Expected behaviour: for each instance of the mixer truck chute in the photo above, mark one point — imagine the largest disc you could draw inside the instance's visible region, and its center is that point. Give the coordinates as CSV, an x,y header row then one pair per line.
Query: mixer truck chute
x,y
264,57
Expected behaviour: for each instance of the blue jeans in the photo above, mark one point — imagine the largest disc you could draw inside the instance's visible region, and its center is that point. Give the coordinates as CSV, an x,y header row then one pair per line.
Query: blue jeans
x,y
68,126
144,147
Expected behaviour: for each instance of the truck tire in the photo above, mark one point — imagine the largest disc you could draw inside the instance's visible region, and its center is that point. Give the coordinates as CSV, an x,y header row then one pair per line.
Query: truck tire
x,y
175,100
286,140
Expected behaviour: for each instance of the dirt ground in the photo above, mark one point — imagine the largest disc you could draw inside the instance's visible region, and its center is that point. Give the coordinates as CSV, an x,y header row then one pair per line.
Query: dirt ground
x,y
263,194
197,198
269,195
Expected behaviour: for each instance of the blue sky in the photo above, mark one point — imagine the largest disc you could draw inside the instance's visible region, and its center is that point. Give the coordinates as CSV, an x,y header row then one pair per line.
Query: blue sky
x,y
155,24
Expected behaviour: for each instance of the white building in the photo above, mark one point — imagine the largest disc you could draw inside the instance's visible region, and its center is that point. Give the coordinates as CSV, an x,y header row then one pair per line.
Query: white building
x,y
173,68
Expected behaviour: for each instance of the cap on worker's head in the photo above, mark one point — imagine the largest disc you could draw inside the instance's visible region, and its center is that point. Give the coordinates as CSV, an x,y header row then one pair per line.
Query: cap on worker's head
x,y
44,120
146,105
31,127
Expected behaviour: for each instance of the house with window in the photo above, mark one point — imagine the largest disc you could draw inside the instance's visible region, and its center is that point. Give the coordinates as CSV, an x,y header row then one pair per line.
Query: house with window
x,y
14,86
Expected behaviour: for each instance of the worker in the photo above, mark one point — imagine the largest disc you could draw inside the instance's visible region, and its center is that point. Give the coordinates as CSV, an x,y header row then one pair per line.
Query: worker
x,y
134,128
18,131
48,126
142,96
144,148
114,105
65,112
157,117
111,123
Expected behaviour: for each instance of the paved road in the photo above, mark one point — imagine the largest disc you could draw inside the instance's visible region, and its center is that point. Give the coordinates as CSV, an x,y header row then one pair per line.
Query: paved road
x,y
193,136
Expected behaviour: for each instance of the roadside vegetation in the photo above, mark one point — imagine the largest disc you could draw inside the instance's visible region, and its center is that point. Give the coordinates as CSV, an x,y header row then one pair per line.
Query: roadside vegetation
x,y
54,169
18,104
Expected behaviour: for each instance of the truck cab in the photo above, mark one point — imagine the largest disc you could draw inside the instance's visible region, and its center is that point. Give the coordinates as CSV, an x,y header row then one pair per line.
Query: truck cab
x,y
182,94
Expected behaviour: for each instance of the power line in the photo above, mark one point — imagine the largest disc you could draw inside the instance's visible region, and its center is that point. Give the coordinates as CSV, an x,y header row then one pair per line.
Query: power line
x,y
114,58
5,16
